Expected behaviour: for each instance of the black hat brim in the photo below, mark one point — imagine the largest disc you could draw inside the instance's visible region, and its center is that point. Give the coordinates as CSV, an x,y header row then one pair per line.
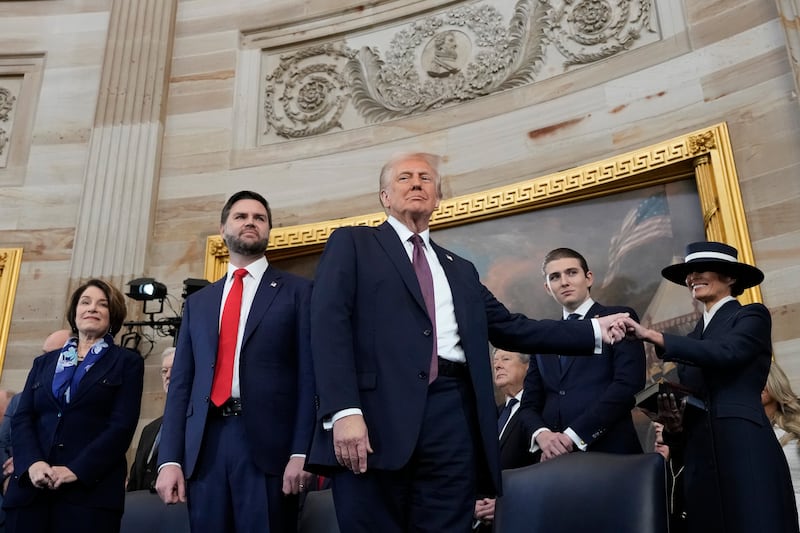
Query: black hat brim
x,y
746,275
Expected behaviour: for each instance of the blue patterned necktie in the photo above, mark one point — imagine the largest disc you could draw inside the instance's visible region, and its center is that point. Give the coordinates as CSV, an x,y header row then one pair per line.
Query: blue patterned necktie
x,y
505,414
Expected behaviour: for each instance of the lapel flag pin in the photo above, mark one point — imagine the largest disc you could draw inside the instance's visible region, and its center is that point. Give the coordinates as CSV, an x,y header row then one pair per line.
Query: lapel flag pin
x,y
273,284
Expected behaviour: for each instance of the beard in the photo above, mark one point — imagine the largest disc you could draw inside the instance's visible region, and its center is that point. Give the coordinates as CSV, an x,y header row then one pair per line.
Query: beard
x,y
246,248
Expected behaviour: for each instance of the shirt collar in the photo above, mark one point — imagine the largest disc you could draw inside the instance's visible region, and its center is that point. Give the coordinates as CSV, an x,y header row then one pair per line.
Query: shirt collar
x,y
404,233
708,315
255,269
581,310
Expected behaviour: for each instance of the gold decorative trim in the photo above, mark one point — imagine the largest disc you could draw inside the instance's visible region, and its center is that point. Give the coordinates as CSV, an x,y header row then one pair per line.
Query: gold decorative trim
x,y
705,154
10,261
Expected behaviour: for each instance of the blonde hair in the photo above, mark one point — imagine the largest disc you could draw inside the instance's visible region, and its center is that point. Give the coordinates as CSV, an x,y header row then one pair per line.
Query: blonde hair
x,y
787,416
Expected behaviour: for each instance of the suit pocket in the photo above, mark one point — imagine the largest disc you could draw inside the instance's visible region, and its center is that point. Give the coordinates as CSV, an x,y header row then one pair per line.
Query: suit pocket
x,y
740,411
367,380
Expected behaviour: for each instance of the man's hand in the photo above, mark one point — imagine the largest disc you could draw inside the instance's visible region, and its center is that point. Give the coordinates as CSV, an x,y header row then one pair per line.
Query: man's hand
x,y
553,444
670,413
612,327
295,479
63,475
42,475
171,485
351,443
484,510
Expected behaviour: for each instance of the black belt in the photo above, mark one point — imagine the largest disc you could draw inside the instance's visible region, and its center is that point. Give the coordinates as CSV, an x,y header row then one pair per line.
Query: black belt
x,y
451,369
231,407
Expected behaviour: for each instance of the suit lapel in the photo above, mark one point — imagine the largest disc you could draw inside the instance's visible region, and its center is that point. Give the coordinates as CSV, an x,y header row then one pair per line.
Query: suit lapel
x,y
271,283
390,242
95,373
722,316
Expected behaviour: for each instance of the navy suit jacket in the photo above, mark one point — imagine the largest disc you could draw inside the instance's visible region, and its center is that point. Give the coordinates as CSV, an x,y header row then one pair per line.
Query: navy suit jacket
x,y
728,363
593,395
89,436
372,339
275,375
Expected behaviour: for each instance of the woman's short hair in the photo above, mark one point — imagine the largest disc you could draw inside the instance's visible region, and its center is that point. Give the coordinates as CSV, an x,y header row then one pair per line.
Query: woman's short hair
x,y
117,311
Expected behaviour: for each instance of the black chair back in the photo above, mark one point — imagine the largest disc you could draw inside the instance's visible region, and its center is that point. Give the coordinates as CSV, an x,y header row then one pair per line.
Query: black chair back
x,y
592,491
146,513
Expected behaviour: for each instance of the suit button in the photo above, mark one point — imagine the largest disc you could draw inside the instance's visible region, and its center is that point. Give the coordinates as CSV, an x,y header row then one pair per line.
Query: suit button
x,y
562,393
60,446
205,399
422,375
427,333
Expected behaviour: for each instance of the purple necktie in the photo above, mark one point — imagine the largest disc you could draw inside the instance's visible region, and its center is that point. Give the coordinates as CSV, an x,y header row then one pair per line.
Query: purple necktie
x,y
425,278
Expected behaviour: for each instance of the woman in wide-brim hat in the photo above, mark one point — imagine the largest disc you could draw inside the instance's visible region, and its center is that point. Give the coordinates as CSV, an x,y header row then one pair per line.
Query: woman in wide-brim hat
x,y
736,478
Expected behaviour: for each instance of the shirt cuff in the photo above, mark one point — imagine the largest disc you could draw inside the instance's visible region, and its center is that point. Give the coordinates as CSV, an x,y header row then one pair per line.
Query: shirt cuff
x,y
569,432
534,446
327,423
300,455
598,336
168,464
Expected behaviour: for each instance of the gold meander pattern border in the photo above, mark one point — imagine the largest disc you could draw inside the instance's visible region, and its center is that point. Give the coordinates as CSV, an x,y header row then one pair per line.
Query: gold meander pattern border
x,y
706,153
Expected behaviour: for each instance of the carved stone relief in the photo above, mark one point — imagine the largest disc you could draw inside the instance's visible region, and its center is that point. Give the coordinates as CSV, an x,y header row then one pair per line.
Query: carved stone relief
x,y
456,55
7,100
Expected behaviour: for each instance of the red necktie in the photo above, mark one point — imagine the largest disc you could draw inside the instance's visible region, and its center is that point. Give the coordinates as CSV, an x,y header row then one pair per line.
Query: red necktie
x,y
228,333
425,278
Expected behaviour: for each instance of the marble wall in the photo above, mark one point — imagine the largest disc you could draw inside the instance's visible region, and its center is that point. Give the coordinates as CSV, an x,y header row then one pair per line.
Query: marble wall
x,y
693,64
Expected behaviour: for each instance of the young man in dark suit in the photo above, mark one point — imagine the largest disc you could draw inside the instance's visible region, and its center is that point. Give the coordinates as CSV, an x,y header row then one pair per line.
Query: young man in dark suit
x,y
240,409
399,332
582,403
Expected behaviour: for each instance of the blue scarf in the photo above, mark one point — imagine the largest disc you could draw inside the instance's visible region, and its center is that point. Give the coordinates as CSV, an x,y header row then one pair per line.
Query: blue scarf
x,y
66,379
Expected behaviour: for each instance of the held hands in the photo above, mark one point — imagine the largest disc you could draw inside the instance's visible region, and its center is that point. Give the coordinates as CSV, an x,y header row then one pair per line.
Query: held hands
x,y
170,484
484,510
295,479
351,443
553,444
44,476
612,327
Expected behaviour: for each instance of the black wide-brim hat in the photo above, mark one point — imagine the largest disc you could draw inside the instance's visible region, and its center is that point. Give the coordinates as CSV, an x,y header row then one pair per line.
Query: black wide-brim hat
x,y
709,256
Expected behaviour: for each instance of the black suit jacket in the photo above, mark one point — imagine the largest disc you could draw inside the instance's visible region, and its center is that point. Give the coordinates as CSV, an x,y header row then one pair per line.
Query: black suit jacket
x,y
592,395
143,472
514,444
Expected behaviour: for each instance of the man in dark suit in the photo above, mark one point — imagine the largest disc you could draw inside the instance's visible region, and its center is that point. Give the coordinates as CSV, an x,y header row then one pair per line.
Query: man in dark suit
x,y
144,469
240,409
509,376
416,434
582,403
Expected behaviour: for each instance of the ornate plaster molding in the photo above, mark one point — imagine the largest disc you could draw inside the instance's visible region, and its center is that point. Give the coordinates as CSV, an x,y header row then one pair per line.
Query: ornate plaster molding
x,y
444,58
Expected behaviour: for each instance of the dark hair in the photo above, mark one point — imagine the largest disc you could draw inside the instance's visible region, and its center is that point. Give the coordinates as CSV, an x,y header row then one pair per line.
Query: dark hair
x,y
116,305
245,195
564,253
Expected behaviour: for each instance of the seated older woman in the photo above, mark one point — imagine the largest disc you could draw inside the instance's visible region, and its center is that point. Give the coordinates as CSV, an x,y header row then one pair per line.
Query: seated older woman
x,y
75,420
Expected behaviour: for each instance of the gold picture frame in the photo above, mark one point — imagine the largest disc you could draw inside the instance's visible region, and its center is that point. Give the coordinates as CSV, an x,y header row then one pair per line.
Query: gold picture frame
x,y
10,261
705,154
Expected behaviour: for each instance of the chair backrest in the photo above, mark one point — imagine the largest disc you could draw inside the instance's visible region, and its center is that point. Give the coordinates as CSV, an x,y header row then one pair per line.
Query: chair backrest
x,y
318,514
146,513
590,491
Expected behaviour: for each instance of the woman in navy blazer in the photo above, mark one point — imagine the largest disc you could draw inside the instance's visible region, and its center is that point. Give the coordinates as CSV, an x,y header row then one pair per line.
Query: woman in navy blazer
x,y
736,479
75,420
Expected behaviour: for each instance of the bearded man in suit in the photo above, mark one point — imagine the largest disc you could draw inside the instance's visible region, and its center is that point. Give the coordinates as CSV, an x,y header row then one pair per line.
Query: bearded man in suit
x,y
240,409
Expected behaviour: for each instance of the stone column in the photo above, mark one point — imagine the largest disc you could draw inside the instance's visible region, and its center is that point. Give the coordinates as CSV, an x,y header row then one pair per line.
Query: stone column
x,y
117,206
789,13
